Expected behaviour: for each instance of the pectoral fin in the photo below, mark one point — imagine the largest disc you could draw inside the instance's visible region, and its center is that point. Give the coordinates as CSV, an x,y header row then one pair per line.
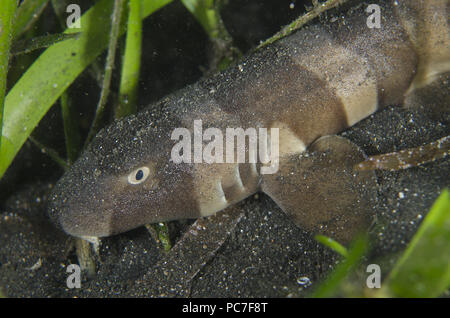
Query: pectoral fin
x,y
320,191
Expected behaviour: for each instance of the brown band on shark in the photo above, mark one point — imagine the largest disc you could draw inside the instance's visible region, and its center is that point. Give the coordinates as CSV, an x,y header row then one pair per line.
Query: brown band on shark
x,y
391,56
427,25
310,106
348,75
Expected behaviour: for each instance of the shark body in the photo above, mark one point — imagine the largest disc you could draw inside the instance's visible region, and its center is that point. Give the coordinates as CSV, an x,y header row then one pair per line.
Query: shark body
x,y
310,85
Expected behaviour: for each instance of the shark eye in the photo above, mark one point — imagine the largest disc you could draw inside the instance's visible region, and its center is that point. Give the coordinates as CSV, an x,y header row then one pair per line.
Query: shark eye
x,y
139,175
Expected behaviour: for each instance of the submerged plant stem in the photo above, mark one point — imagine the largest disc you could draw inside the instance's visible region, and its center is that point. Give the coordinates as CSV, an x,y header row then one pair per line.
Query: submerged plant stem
x,y
114,36
40,42
27,14
51,152
317,9
207,13
131,62
7,12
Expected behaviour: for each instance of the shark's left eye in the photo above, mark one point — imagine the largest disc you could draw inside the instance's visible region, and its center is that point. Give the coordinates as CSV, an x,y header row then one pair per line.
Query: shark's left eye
x,y
139,175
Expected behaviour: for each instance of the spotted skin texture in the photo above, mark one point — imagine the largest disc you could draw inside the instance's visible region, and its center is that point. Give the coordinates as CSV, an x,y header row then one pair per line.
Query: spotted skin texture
x,y
316,82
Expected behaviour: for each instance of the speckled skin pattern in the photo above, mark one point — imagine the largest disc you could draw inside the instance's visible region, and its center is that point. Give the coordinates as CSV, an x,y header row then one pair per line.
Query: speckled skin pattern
x,y
316,82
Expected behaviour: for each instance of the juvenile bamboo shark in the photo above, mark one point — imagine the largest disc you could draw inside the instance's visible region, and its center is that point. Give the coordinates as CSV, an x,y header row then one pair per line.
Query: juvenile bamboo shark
x,y
310,85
